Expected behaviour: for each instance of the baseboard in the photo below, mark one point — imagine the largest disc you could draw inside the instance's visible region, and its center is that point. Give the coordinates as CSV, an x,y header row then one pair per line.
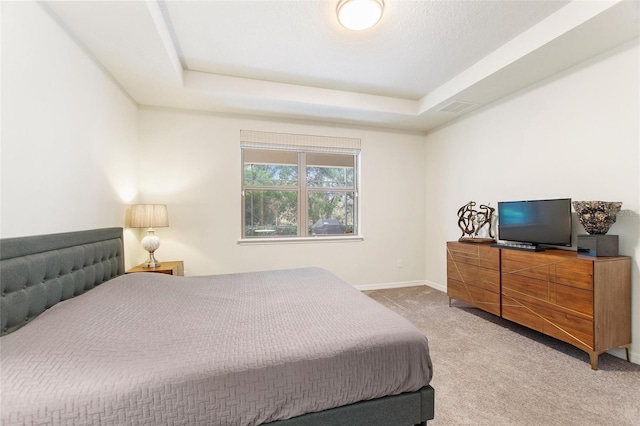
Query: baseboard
x,y
436,286
382,286
634,357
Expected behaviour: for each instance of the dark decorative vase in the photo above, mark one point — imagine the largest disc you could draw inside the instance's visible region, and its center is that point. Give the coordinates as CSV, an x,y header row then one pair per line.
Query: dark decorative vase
x,y
597,216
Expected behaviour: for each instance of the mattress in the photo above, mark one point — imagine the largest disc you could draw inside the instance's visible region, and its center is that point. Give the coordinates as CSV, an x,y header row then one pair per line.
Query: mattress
x,y
238,349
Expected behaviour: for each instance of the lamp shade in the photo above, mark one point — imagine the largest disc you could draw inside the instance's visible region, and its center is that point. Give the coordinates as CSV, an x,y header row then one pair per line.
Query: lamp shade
x,y
149,216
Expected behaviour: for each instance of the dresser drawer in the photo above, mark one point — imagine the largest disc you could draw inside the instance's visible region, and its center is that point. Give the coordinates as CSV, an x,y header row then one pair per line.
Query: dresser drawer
x,y
575,273
562,296
566,325
477,254
486,300
556,266
477,276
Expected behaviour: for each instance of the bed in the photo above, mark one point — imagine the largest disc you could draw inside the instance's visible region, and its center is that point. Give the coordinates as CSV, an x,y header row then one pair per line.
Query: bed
x,y
84,343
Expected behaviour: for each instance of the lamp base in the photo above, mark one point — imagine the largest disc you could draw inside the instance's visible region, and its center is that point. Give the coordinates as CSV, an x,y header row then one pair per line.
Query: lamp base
x,y
150,243
151,262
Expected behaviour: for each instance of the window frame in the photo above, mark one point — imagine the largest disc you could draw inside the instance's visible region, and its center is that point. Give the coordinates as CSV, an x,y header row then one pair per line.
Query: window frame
x,y
303,192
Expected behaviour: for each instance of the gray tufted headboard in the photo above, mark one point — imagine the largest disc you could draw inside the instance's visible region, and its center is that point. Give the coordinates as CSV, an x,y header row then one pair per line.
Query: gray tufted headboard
x,y
37,272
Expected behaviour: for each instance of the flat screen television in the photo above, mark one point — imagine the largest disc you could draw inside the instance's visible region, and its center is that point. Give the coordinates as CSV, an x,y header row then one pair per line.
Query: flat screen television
x,y
535,223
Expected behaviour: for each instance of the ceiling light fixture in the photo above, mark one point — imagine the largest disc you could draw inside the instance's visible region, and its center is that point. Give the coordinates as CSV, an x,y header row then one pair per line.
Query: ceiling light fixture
x,y
359,14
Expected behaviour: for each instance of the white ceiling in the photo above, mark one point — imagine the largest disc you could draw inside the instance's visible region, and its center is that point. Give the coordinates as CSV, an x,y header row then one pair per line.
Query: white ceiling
x,y
292,59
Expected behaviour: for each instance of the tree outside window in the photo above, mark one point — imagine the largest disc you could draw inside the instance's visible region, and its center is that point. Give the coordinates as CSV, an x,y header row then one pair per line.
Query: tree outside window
x,y
284,188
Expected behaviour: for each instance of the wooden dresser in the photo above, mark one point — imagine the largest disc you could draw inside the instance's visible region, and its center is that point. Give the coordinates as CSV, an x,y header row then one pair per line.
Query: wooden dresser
x,y
582,300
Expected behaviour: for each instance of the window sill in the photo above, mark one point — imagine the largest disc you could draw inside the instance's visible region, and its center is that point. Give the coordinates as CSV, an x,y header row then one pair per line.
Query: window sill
x,y
300,240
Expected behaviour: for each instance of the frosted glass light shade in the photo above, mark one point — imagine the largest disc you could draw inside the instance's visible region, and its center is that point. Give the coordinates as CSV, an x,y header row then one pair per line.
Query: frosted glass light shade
x,y
359,14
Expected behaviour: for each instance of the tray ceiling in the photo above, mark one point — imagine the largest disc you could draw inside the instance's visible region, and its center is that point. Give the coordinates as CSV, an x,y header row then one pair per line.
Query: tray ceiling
x,y
425,62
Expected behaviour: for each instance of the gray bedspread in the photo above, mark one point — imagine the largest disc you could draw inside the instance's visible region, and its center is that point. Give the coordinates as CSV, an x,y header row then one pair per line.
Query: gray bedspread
x,y
241,349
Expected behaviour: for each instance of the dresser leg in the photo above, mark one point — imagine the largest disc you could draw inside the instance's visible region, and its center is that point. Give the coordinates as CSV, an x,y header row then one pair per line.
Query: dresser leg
x,y
450,306
593,356
626,348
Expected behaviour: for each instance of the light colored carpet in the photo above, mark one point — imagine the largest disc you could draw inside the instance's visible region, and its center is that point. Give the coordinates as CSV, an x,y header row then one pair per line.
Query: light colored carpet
x,y
489,371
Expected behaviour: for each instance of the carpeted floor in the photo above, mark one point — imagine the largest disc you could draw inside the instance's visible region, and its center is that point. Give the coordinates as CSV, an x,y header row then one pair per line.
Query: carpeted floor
x,y
489,371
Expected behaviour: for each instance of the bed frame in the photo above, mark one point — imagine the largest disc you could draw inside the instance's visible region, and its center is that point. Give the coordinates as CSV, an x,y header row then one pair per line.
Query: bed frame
x,y
36,272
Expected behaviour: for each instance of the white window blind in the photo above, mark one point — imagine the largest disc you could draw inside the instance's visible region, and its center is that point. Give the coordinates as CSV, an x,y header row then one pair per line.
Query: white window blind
x,y
293,142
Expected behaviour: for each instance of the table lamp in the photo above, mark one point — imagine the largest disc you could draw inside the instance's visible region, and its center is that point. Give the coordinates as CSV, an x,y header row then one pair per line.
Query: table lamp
x,y
149,216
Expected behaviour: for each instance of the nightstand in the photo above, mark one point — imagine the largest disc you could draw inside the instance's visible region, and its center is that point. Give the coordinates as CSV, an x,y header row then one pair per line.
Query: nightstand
x,y
166,267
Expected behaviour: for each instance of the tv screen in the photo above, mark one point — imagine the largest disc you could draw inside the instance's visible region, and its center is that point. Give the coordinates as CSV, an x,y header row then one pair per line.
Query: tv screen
x,y
538,222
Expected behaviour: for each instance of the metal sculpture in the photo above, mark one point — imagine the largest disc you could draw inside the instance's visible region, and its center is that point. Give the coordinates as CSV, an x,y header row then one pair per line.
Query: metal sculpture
x,y
471,221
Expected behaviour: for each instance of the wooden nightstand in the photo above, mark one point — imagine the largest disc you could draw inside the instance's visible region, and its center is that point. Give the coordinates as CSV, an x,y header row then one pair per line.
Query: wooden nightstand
x,y
166,267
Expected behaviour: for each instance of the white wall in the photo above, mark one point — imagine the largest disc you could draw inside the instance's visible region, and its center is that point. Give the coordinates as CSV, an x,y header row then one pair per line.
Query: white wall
x,y
192,162
69,158
576,135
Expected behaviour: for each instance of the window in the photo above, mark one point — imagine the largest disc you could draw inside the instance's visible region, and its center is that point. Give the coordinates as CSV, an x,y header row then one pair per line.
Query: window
x,y
298,185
